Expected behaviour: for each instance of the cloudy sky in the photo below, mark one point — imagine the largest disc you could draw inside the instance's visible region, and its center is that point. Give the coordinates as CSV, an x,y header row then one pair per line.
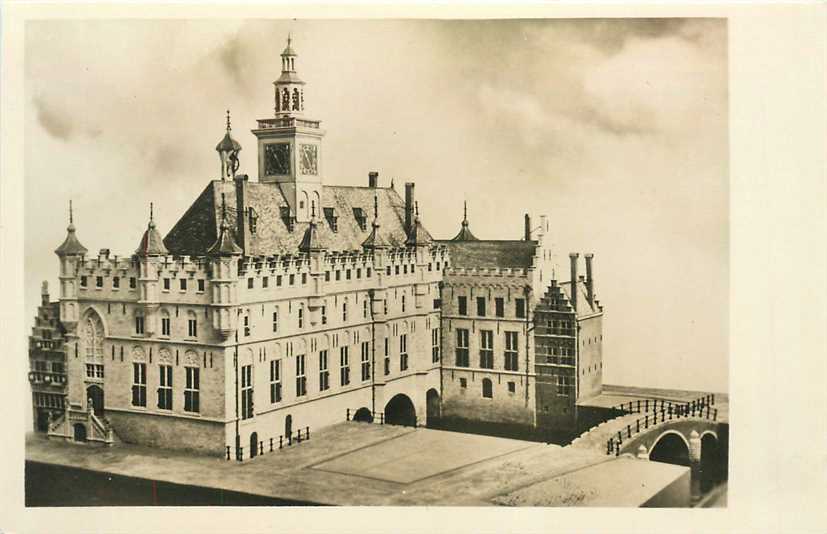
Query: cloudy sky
x,y
616,129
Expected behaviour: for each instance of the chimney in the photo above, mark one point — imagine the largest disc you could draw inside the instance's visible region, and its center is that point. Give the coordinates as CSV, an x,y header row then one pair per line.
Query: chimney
x,y
44,293
527,232
589,279
409,203
573,257
373,179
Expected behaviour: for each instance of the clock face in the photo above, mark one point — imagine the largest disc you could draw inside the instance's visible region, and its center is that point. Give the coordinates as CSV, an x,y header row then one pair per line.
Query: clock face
x,y
309,159
276,159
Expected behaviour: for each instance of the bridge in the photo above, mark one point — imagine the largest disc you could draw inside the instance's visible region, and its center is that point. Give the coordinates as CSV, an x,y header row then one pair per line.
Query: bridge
x,y
676,429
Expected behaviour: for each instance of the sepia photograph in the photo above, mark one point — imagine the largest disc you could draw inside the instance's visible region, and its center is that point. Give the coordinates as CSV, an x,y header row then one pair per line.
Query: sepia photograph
x,y
384,262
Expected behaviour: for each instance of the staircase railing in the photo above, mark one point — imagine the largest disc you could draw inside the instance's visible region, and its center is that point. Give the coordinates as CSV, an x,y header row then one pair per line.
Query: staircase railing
x,y
271,445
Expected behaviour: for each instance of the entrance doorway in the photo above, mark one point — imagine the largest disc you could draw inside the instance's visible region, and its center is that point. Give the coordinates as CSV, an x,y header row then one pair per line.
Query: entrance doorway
x,y
95,394
400,411
253,444
288,426
80,432
432,407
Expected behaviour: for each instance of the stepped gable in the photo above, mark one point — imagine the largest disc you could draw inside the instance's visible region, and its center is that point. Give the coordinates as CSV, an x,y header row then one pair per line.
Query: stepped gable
x,y
554,300
583,305
483,254
198,228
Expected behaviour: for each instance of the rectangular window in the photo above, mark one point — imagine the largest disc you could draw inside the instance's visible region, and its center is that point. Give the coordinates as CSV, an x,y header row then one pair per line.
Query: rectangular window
x,y
437,304
278,280
304,278
344,367
324,314
403,352
520,305
344,312
246,391
487,349
462,347
165,387
139,384
166,284
276,321
463,383
499,307
511,351
200,286
165,326
462,303
387,357
116,282
347,274
564,385
99,281
512,387
250,283
481,306
265,282
301,317
365,309
83,281
327,276
139,324
292,279
275,381
301,379
246,326
183,284
365,361
403,303
57,367
93,370
435,345
191,390
338,275
133,283
324,374
192,327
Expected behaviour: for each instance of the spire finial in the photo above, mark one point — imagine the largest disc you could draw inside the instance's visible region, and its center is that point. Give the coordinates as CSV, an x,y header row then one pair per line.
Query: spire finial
x,y
289,38
71,220
375,207
223,209
150,212
228,121
464,210
416,209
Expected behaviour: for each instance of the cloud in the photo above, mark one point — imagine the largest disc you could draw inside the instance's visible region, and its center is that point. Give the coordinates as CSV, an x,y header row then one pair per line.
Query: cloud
x,y
54,119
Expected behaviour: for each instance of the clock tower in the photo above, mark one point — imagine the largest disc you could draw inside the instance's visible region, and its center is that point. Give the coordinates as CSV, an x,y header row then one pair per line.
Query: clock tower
x,y
290,144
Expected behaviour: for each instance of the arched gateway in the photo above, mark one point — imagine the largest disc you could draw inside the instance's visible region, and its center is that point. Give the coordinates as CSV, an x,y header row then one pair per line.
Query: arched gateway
x,y
400,411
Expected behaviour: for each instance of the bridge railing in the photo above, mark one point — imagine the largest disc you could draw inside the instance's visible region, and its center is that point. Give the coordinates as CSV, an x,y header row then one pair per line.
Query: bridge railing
x,y
272,444
653,405
699,408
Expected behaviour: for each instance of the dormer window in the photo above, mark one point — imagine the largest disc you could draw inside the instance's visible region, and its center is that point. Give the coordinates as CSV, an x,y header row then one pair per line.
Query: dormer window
x,y
361,218
332,219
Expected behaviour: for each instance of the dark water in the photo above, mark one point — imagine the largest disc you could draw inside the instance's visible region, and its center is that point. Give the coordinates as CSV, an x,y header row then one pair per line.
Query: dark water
x,y
51,485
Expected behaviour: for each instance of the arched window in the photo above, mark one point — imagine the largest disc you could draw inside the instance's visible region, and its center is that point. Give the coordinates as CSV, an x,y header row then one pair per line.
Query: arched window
x,y
285,99
487,389
166,323
192,324
296,101
93,338
139,321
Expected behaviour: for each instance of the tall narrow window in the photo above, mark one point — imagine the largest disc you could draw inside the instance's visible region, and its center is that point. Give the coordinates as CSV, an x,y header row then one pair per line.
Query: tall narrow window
x,y
246,325
138,384
324,314
192,325
276,321
487,388
183,284
301,379
462,347
365,308
387,357
166,325
344,312
486,349
344,367
403,303
165,387
435,345
511,351
246,391
200,285
83,281
192,390
499,307
275,381
403,352
116,282
324,374
365,361
462,305
133,282
520,308
301,317
481,306
139,323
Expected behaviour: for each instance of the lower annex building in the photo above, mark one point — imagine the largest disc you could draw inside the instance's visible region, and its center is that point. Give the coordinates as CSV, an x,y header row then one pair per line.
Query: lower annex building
x,y
282,304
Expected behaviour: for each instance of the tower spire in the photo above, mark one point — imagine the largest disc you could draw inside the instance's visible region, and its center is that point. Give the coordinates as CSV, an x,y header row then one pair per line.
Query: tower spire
x,y
228,149
71,221
71,246
225,244
465,232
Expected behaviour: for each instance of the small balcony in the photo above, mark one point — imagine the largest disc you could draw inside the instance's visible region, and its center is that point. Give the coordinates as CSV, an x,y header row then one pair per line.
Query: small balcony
x,y
286,122
47,379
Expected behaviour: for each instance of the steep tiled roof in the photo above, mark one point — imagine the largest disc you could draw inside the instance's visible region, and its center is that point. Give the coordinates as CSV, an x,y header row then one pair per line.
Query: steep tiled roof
x,y
197,229
490,254
151,243
70,245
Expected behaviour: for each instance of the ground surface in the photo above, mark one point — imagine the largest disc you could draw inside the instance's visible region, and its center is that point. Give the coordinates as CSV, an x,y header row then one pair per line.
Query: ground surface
x,y
353,464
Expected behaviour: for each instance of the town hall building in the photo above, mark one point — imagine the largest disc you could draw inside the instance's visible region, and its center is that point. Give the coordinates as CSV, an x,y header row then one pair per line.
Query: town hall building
x,y
282,304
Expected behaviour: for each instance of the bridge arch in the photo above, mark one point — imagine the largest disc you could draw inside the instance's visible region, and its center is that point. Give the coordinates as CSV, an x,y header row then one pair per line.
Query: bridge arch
x,y
670,447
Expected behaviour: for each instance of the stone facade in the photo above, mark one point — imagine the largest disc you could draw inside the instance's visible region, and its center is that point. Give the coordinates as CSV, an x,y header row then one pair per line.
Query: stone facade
x,y
286,304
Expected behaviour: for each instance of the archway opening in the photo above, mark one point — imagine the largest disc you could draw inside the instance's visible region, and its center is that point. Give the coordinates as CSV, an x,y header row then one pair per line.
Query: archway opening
x,y
95,395
400,411
80,432
670,449
363,415
253,444
712,463
432,406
